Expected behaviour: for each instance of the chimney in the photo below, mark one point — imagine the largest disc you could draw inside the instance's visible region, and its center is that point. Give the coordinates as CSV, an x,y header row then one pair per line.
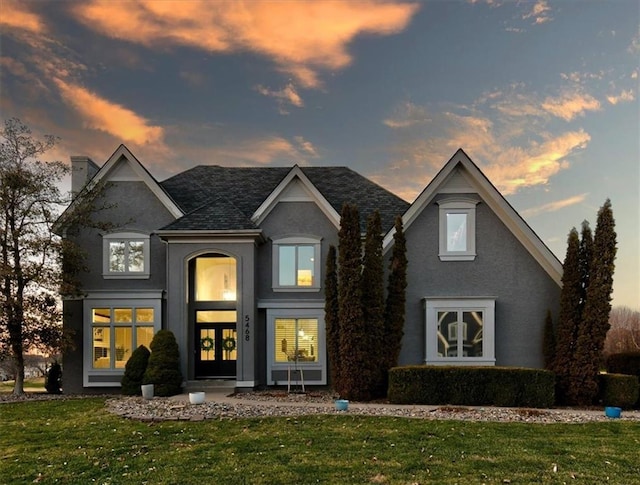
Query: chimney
x,y
82,170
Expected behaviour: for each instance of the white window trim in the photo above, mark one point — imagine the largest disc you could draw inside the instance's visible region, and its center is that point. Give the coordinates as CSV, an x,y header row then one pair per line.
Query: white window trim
x,y
321,364
296,241
111,377
125,236
484,304
457,206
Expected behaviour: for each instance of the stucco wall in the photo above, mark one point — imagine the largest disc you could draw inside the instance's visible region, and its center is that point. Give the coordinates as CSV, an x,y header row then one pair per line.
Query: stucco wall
x,y
503,269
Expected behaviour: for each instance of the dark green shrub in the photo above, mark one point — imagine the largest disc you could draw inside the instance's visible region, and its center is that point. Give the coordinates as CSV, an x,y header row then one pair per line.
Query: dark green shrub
x,y
53,382
624,363
471,386
619,390
134,371
163,370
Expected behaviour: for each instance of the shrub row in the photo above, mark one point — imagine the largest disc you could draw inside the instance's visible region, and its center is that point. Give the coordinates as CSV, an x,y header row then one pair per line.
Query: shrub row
x,y
472,386
624,363
619,390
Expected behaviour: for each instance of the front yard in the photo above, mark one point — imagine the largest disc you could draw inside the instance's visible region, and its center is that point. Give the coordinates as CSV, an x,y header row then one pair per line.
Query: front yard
x,y
77,441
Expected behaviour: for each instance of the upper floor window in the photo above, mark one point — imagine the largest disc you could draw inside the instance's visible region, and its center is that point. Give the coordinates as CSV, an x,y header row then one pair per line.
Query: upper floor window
x,y
457,229
214,278
296,264
126,255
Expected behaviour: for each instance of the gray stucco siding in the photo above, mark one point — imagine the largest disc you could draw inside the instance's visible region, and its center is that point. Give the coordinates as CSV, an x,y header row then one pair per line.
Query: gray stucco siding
x,y
293,219
503,269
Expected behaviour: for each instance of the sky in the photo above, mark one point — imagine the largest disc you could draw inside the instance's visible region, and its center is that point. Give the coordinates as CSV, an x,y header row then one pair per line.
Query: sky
x,y
542,95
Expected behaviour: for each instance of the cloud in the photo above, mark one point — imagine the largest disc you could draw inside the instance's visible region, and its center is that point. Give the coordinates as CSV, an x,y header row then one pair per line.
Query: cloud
x,y
285,96
539,12
570,105
306,146
101,114
553,206
624,96
263,150
15,15
407,114
301,38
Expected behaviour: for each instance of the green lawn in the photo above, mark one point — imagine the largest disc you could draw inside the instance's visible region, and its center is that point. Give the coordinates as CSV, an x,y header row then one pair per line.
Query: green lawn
x,y
32,385
77,441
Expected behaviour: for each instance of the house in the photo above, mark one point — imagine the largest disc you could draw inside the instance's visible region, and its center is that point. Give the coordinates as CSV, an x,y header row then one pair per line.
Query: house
x,y
231,260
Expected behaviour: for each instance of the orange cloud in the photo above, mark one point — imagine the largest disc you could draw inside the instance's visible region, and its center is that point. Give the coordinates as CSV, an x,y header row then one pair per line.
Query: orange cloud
x,y
624,96
101,114
408,114
554,206
300,37
286,95
15,15
570,105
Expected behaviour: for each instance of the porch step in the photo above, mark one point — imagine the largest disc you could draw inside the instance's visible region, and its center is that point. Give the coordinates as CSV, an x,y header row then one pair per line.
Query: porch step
x,y
210,385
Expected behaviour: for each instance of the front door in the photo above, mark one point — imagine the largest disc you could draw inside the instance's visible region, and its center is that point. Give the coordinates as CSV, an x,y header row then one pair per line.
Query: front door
x,y
216,349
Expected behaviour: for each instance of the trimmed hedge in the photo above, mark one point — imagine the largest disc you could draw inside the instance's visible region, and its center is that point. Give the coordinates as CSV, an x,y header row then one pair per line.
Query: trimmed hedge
x,y
624,363
472,386
619,390
163,369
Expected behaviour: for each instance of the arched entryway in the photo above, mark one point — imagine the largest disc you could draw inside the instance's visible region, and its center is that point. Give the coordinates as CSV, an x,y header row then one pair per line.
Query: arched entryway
x,y
213,315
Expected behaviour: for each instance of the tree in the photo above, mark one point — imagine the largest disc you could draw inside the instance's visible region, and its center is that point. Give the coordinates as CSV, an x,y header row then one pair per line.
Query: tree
x,y
353,357
29,273
373,306
585,260
548,342
163,370
331,319
394,314
624,331
593,331
134,371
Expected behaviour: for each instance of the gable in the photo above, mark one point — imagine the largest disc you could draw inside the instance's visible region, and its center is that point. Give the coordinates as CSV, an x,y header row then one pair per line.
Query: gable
x,y
461,176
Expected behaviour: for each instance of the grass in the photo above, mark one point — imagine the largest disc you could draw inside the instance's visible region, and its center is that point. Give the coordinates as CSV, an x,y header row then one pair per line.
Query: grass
x,y
77,441
32,385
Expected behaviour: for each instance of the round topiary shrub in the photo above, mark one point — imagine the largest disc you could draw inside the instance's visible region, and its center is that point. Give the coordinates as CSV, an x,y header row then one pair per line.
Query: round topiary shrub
x,y
163,370
134,371
53,382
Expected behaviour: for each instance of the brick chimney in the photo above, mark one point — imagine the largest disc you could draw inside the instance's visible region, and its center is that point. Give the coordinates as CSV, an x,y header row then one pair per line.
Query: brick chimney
x,y
82,170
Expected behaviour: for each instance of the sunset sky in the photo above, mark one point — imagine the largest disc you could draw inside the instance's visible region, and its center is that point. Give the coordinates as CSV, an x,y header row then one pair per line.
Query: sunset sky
x,y
542,95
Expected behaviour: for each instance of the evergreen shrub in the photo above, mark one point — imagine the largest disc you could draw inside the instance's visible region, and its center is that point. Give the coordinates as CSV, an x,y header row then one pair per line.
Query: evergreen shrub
x,y
624,363
53,382
134,371
163,370
472,386
619,390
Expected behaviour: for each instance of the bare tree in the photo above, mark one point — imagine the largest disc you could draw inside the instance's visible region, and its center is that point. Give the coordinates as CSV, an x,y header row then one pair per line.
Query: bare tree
x,y
624,334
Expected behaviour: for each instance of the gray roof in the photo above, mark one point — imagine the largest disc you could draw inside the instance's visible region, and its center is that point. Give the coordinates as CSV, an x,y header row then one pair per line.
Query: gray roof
x,y
225,198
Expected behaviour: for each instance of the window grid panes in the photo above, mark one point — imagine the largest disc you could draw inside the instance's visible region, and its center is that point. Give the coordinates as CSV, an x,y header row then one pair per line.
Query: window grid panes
x,y
117,331
296,265
126,256
296,339
460,333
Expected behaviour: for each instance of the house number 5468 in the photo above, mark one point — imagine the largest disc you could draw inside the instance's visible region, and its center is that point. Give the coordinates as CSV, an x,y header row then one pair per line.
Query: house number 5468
x,y
247,329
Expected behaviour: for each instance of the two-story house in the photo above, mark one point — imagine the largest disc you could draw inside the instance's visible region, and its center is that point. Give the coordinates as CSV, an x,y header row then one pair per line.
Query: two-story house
x,y
232,261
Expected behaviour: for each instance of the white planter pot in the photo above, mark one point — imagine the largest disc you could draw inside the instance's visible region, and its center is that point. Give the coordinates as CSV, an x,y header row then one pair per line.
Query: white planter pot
x,y
196,397
147,391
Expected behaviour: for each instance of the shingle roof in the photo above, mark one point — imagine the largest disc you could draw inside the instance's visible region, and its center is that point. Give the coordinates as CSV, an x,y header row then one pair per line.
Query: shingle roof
x,y
225,198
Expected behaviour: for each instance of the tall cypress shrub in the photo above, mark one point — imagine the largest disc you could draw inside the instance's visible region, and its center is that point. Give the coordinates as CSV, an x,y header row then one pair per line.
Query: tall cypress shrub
x,y
570,316
331,320
394,315
352,329
592,334
548,342
163,370
585,261
373,304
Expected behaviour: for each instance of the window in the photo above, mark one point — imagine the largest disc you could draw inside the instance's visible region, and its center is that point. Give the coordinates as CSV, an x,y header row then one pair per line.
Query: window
x,y
457,229
460,331
215,278
117,331
115,324
296,264
126,255
296,341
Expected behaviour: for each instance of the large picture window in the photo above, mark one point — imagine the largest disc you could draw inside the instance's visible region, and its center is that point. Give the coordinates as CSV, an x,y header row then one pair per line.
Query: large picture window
x,y
116,323
126,255
457,229
296,264
460,331
296,339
